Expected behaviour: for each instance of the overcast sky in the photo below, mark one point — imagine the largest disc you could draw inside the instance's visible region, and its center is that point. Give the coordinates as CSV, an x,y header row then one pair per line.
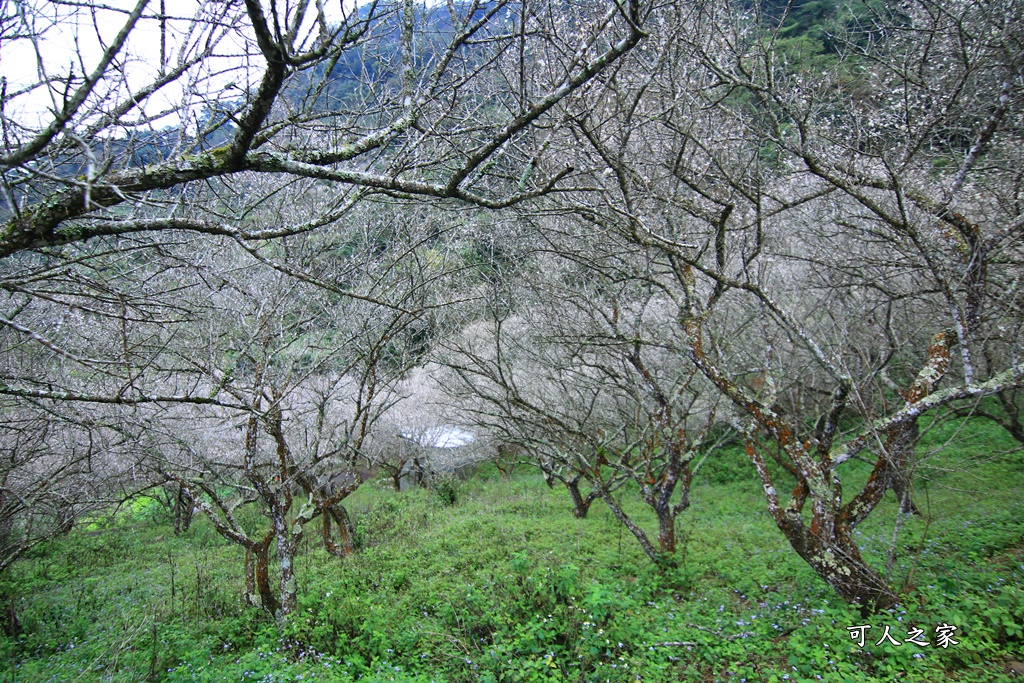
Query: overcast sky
x,y
70,38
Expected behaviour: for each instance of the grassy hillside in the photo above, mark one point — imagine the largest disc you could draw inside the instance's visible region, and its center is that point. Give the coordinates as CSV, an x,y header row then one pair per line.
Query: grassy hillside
x,y
506,585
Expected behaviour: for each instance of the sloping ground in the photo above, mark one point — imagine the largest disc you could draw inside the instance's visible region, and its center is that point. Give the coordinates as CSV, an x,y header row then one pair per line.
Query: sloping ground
x,y
507,586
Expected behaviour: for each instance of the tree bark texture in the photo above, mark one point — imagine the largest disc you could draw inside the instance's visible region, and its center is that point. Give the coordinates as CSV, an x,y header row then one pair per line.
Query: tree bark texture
x,y
337,515
257,576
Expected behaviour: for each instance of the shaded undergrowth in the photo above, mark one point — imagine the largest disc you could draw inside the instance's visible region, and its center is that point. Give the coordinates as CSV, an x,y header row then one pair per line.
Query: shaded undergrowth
x,y
506,585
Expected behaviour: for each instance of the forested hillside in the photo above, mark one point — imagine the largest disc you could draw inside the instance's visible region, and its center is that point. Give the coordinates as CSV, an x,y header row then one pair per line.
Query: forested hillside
x,y
509,341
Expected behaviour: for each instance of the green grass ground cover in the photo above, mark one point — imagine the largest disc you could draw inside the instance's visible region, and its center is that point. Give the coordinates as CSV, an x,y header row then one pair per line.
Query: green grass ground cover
x,y
507,586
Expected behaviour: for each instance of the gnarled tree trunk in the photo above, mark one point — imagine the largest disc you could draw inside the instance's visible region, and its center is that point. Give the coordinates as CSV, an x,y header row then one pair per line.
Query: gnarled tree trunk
x,y
257,576
580,503
183,509
287,545
338,515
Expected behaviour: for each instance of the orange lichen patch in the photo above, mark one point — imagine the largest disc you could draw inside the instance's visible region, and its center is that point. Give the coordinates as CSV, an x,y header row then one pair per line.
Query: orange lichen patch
x,y
933,371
